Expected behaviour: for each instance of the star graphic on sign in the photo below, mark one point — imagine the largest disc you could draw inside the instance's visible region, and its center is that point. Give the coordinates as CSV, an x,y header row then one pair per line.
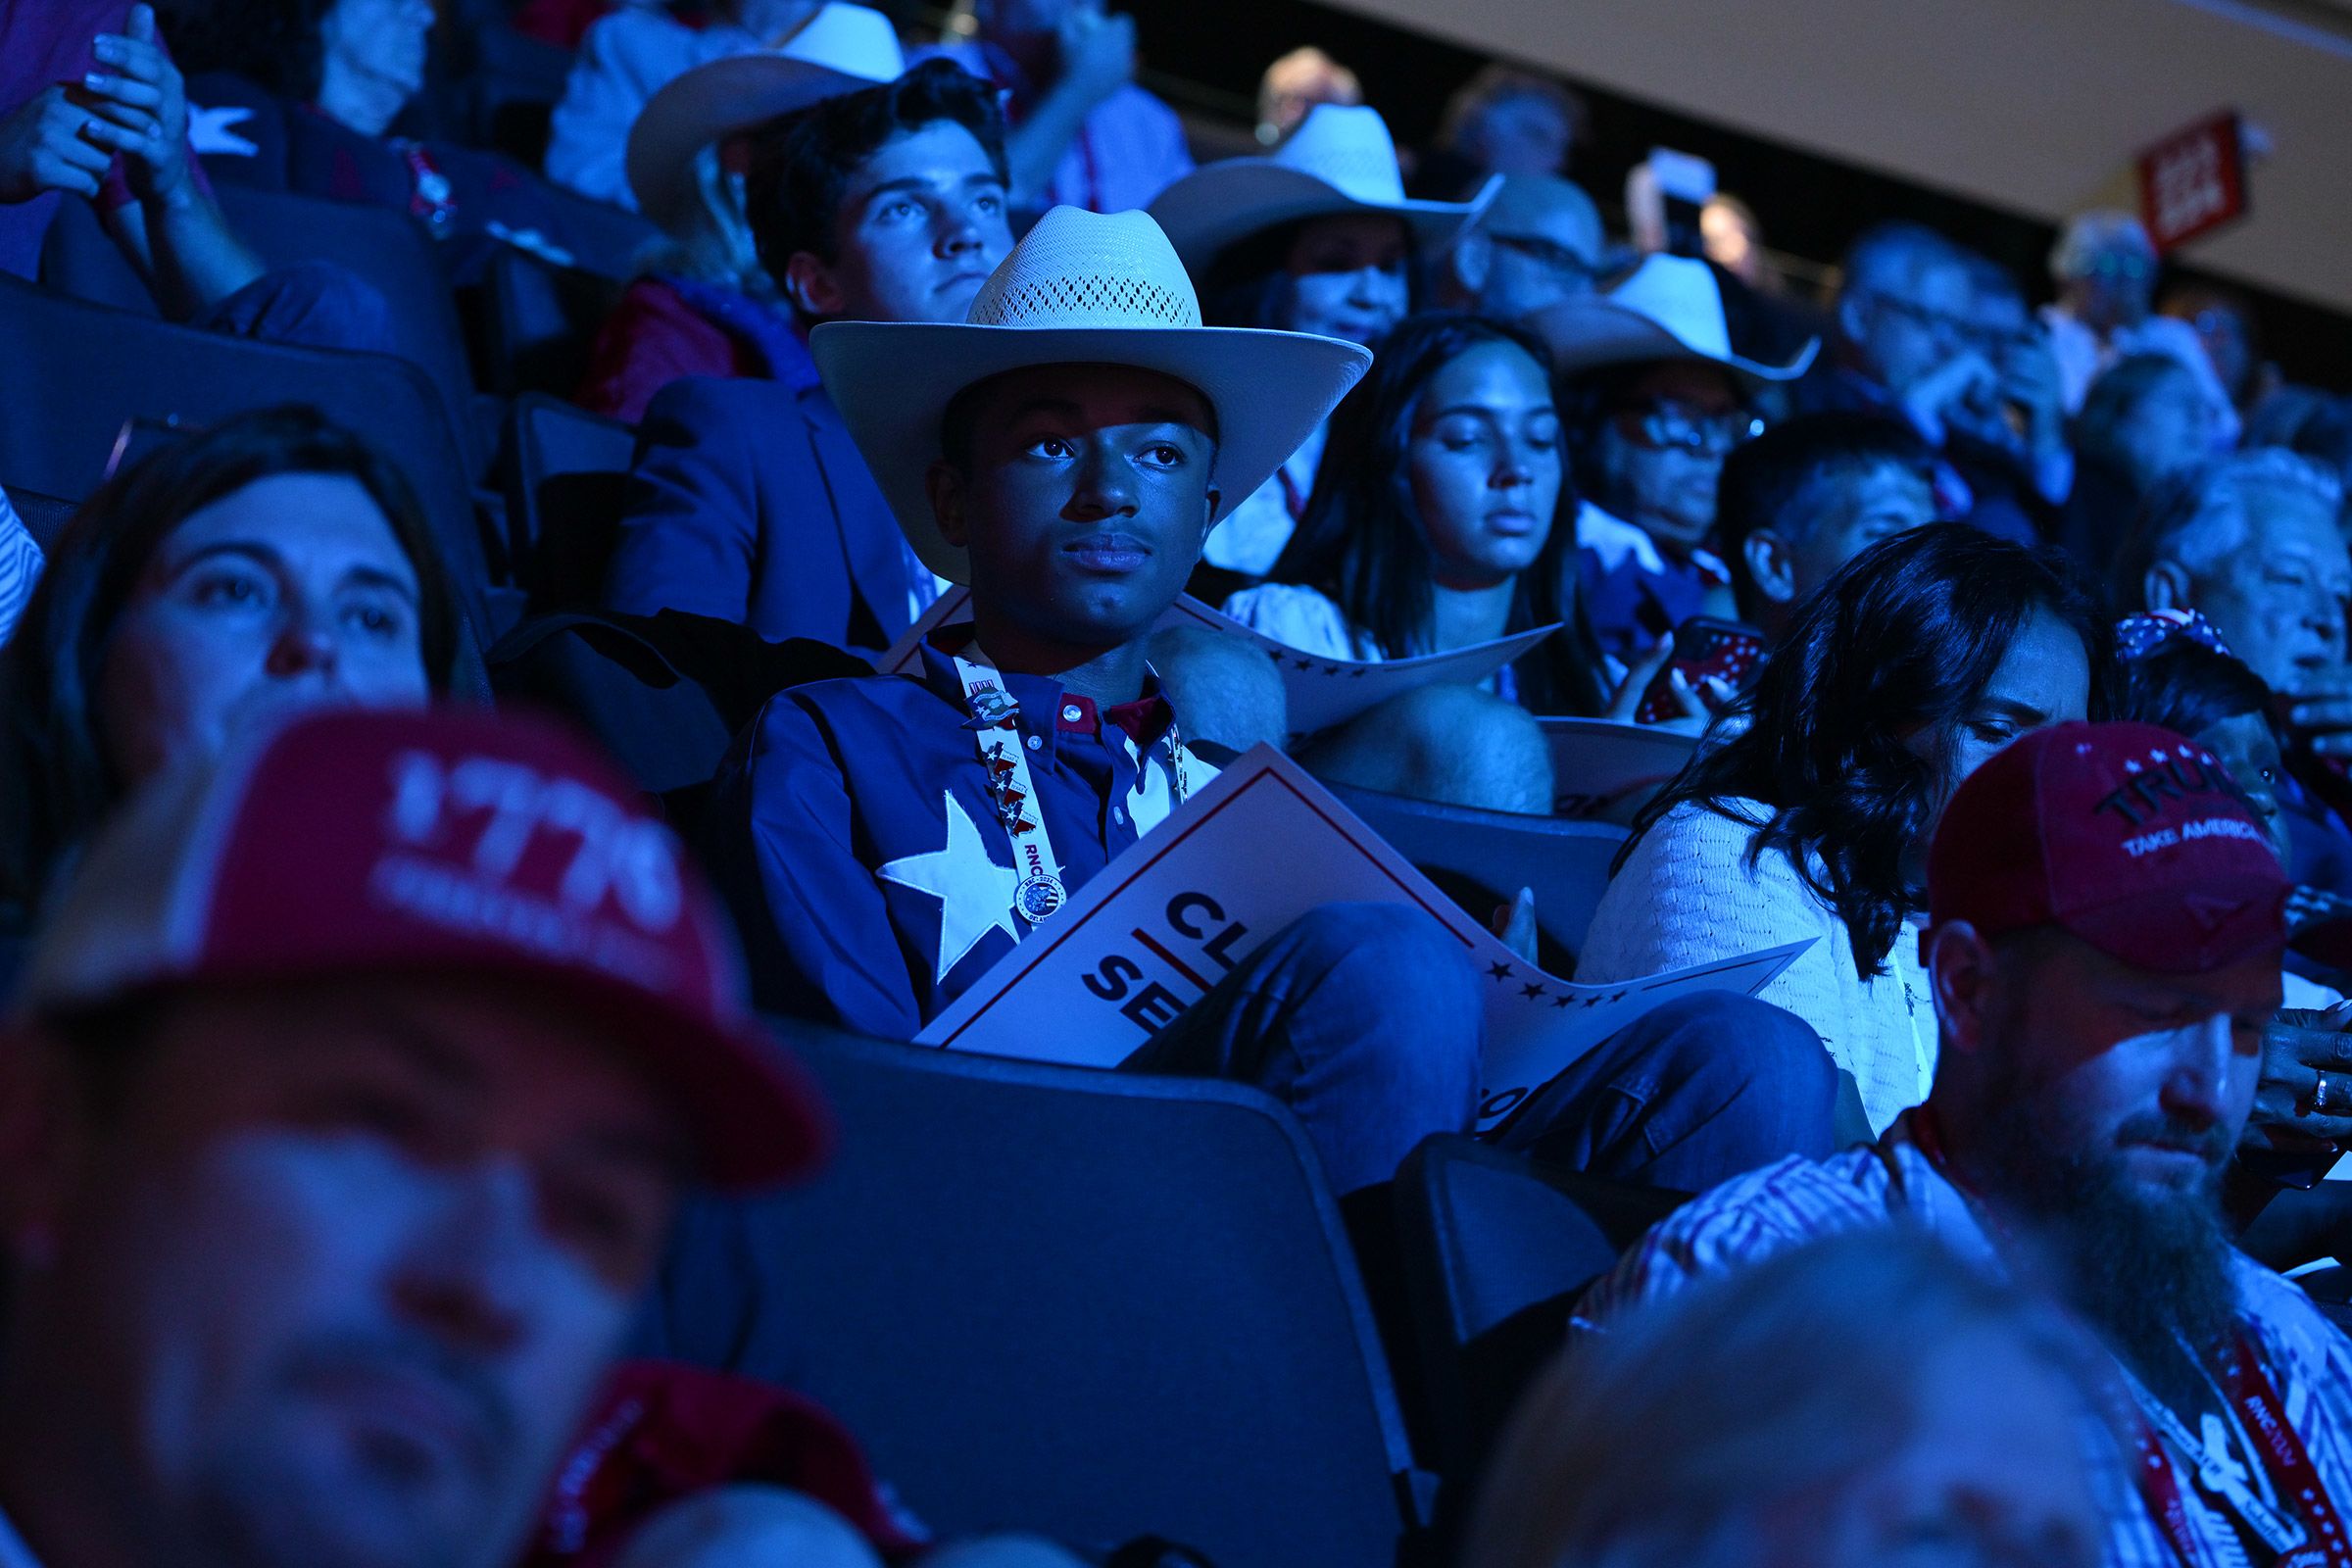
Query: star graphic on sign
x,y
1531,992
1501,971
1304,664
973,891
1563,1002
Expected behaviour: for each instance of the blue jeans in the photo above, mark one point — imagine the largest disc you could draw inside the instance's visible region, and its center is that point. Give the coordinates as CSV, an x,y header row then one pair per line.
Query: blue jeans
x,y
1691,1094
1365,1019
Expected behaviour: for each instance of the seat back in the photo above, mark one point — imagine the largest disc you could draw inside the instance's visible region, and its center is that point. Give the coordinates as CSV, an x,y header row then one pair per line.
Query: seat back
x,y
1485,857
388,249
1090,1303
42,515
1495,1252
538,322
86,370
565,495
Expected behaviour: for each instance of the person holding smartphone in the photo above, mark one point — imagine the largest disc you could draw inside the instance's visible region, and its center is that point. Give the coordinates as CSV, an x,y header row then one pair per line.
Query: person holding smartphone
x,y
1656,399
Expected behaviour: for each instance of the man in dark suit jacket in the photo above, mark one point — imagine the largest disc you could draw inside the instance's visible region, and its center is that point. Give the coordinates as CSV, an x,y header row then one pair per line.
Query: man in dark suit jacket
x,y
748,501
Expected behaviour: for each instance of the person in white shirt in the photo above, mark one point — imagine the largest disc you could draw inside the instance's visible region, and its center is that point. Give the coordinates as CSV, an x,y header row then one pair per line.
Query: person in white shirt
x,y
1438,523
1919,659
1316,237
2104,266
629,57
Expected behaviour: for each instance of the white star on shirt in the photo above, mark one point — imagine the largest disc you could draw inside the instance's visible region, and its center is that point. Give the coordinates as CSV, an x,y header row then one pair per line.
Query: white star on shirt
x,y
974,892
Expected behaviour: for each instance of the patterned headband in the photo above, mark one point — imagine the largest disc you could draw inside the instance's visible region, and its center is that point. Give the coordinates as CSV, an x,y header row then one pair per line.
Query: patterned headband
x,y
2146,632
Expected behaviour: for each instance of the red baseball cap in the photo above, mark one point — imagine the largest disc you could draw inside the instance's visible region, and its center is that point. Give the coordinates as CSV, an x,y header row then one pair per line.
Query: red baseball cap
x,y
355,842
2128,836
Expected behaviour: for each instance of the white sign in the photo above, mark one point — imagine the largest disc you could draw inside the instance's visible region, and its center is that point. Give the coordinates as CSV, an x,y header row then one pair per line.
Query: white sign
x,y
1254,850
1597,763
1321,692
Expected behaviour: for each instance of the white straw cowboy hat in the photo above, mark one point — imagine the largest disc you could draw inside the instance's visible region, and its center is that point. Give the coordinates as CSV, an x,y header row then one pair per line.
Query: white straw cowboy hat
x,y
1080,288
1340,159
1668,307
840,49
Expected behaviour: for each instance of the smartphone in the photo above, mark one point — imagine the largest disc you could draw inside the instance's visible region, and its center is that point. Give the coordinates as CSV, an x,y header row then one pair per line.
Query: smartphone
x,y
1686,183
1702,646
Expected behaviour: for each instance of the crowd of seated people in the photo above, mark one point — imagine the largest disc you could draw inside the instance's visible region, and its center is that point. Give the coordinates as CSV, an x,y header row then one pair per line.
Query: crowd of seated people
x,y
366,1035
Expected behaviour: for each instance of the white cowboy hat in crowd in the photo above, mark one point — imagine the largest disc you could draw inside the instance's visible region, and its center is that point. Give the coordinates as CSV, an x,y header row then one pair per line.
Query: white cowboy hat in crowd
x,y
1080,288
1668,307
1340,159
841,49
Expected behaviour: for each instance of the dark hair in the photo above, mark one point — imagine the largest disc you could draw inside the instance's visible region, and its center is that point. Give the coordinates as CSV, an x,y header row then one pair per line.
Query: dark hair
x,y
1915,245
803,162
56,784
2316,425
2113,401
1362,540
1763,479
272,43
1247,282
1903,639
2187,688
1495,84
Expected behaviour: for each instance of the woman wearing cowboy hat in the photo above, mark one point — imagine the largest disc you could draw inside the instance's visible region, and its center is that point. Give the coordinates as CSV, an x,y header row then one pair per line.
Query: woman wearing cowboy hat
x,y
1657,400
1318,237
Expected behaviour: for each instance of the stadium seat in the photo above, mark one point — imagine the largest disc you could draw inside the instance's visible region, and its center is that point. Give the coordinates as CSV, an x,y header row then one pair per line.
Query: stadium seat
x,y
1089,1303
564,498
665,694
1483,858
388,250
1496,1250
42,515
89,369
537,323
516,82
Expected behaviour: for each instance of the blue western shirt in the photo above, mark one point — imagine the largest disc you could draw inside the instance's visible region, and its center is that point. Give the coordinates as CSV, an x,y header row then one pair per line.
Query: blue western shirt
x,y
852,833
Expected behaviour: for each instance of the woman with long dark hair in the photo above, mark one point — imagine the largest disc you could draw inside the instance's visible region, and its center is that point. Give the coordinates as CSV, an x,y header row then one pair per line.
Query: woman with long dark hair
x,y
271,563
1919,659
1441,518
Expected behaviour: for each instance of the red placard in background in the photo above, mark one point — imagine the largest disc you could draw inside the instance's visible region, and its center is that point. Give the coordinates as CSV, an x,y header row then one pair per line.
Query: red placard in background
x,y
2195,181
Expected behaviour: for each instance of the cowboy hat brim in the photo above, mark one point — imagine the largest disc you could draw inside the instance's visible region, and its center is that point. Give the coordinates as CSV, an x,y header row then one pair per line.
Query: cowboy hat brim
x,y
1589,335
712,103
1223,204
893,382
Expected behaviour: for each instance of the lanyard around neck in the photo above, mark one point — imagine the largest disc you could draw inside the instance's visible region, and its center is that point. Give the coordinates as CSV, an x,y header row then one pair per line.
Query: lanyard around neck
x,y
1005,759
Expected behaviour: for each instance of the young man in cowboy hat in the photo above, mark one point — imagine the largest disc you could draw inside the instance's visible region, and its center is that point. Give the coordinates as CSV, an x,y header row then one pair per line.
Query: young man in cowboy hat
x,y
748,501
334,1161
884,841
2106,918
